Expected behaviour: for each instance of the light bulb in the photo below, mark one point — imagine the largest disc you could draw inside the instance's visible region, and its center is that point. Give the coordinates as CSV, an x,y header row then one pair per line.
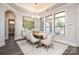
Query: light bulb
x,y
32,15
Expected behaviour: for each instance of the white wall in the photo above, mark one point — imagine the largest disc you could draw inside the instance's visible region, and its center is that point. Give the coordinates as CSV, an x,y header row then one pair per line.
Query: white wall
x,y
2,31
69,37
70,24
18,23
18,26
77,25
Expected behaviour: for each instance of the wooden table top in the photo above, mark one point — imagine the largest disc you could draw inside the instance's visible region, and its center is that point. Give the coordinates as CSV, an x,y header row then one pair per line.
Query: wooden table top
x,y
39,35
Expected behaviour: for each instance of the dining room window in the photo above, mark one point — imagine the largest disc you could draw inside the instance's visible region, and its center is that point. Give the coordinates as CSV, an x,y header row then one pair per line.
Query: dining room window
x,y
59,23
42,24
48,24
28,22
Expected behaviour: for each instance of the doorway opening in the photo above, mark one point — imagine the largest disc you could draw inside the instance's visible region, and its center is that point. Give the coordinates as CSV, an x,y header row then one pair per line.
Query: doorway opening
x,y
11,27
9,24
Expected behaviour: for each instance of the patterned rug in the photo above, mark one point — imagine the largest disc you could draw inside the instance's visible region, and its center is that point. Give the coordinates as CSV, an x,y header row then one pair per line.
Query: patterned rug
x,y
28,49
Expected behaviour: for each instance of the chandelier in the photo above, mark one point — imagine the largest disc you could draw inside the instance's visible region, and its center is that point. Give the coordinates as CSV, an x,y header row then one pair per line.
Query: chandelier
x,y
36,15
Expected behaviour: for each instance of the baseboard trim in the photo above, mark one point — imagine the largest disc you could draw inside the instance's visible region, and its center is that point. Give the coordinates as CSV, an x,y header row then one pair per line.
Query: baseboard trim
x,y
2,43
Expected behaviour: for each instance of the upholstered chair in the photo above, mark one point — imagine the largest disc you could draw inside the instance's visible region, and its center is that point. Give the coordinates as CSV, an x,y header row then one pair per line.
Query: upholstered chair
x,y
28,35
33,39
48,41
45,35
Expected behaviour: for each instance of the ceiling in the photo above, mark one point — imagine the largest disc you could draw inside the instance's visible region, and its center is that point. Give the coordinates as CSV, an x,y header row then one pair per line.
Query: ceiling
x,y
35,7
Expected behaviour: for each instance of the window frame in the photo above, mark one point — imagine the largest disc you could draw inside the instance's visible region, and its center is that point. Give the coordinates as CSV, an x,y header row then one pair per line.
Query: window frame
x,y
46,18
55,20
42,18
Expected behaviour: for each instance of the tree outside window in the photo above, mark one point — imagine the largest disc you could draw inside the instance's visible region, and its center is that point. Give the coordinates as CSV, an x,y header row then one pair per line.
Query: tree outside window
x,y
59,23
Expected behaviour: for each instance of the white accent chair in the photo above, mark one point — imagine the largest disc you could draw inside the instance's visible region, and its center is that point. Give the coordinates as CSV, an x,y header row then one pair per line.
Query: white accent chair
x,y
33,39
48,41
45,35
28,35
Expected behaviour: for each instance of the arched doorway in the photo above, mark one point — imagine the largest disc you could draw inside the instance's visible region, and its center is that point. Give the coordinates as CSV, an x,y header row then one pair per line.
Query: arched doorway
x,y
9,23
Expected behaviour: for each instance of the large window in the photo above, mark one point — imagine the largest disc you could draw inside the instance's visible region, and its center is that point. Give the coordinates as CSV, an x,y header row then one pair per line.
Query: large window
x,y
59,19
28,22
42,24
48,24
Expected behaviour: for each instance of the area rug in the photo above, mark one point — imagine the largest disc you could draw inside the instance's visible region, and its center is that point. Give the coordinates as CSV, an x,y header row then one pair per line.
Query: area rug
x,y
28,49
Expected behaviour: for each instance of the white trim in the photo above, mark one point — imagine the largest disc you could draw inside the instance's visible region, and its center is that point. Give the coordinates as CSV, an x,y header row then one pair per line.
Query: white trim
x,y
2,43
44,23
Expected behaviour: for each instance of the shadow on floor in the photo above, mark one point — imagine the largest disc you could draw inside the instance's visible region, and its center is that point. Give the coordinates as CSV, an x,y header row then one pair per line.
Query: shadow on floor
x,y
11,47
71,51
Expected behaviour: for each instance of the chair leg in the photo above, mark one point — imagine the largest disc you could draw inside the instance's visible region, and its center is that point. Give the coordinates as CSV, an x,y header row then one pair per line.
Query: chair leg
x,y
47,48
52,46
33,44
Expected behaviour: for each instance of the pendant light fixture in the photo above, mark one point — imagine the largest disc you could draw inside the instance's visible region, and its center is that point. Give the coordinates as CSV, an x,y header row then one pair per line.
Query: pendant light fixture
x,y
36,15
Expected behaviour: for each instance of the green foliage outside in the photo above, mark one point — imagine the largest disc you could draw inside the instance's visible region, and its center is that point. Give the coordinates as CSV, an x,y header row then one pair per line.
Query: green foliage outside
x,y
28,24
59,24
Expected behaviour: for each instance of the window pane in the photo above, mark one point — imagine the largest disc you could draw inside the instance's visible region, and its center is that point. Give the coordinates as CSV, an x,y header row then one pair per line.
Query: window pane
x,y
28,23
60,14
59,31
47,29
48,24
60,23
41,24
